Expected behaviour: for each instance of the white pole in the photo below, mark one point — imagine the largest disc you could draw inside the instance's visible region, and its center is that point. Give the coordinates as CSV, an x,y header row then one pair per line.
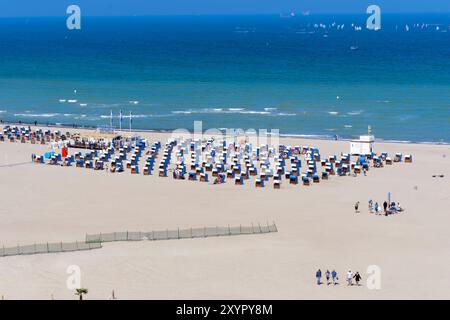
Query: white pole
x,y
130,122
120,121
111,121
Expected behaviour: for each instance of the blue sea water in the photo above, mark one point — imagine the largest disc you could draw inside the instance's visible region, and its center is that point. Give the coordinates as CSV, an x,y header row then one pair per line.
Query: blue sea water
x,y
296,74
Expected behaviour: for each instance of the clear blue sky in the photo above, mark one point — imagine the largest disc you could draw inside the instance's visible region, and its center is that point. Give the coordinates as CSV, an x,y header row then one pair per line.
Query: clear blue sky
x,y
9,8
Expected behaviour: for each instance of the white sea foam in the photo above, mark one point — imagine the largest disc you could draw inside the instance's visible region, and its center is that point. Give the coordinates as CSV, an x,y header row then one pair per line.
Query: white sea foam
x,y
36,115
135,116
255,112
333,113
84,117
282,114
182,112
355,113
138,116
160,115
108,116
267,111
72,101
83,104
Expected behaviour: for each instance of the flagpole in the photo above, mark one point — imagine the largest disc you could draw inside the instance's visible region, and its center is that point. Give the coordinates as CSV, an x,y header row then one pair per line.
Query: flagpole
x,y
111,121
120,121
130,122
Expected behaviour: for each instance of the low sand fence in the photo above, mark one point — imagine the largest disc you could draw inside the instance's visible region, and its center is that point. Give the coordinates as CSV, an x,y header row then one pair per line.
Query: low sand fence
x,y
189,233
48,248
94,241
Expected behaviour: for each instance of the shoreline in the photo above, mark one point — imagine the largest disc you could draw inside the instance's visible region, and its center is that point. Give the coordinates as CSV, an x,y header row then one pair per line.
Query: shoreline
x,y
314,137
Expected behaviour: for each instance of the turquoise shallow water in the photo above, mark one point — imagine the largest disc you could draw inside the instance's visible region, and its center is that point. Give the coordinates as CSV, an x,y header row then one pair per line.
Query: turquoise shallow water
x,y
233,72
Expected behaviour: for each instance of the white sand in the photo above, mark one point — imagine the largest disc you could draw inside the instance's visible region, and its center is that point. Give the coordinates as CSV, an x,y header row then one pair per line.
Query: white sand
x,y
317,225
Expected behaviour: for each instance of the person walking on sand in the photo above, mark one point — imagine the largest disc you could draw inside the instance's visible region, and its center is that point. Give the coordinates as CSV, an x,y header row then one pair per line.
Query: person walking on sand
x,y
334,276
357,277
370,206
318,276
327,275
385,207
377,208
356,207
349,278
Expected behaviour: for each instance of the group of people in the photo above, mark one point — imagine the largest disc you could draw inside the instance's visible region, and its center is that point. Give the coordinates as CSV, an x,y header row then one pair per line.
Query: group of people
x,y
387,208
332,277
375,208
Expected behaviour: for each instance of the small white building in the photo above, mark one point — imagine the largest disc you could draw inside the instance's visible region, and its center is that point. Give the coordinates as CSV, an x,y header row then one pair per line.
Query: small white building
x,y
363,146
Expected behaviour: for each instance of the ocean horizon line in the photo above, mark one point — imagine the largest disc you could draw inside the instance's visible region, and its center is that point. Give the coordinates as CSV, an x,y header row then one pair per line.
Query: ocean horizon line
x,y
340,14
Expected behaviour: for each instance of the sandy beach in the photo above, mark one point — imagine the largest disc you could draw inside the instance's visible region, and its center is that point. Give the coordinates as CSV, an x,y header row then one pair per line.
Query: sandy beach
x,y
317,228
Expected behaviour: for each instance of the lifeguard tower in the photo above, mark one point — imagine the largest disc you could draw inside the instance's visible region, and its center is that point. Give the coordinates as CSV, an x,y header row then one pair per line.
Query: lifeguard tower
x,y
364,146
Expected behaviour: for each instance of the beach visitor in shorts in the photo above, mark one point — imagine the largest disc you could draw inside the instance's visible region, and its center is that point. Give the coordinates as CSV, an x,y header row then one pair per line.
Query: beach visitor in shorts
x,y
318,276
349,278
356,207
377,208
